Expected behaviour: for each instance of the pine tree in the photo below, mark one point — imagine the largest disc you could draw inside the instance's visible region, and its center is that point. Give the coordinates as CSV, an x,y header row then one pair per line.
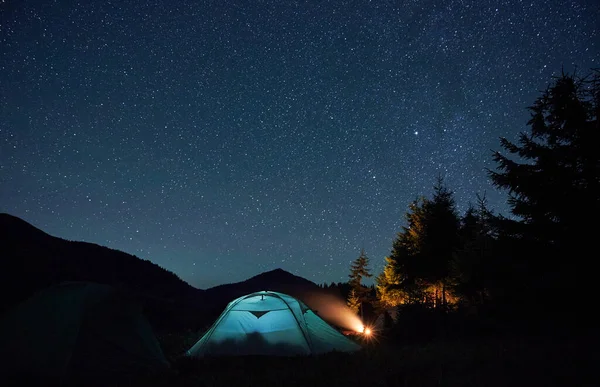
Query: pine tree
x,y
441,240
552,176
474,266
388,286
404,266
354,301
359,269
422,252
556,186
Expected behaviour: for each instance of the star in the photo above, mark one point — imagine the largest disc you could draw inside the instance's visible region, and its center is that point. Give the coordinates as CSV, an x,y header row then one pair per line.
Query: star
x,y
251,136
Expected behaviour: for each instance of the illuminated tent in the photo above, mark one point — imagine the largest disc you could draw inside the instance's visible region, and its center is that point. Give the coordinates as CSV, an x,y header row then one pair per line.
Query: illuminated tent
x,y
79,333
270,323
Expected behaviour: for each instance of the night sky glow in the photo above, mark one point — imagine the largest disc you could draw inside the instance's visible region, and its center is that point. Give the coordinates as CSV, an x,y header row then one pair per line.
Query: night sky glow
x,y
220,139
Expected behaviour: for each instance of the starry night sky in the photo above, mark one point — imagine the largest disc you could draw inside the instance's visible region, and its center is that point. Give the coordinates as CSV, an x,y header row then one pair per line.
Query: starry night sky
x,y
220,139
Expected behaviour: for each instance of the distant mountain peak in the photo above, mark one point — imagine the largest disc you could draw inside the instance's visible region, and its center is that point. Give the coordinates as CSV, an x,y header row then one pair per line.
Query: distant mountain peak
x,y
277,280
277,275
278,271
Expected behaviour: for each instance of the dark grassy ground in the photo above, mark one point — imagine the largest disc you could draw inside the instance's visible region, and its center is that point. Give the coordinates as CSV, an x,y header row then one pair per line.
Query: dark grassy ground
x,y
491,361
558,359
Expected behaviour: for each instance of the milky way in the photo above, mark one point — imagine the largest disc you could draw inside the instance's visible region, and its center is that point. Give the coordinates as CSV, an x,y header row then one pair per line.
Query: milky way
x,y
220,139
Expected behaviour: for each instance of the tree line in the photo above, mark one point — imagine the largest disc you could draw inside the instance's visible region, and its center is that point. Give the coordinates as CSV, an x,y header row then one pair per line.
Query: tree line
x,y
537,264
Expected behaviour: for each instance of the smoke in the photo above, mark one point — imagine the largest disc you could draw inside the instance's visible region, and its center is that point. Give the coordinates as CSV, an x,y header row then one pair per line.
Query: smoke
x,y
334,310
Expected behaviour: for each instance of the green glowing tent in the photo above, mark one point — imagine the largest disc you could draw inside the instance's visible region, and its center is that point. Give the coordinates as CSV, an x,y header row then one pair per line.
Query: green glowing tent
x,y
77,333
270,323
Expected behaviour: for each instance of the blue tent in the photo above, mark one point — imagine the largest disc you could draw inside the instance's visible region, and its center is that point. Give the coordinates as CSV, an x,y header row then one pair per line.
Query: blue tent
x,y
270,323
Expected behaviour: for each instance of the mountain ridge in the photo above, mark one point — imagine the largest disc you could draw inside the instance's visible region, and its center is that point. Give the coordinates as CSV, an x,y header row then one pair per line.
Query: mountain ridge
x,y
19,229
33,259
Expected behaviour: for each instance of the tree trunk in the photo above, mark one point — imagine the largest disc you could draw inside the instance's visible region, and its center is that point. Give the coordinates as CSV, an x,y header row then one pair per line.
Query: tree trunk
x,y
444,295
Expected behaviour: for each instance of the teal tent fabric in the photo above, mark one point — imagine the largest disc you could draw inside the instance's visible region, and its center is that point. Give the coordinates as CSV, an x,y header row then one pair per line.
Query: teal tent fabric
x,y
77,333
270,323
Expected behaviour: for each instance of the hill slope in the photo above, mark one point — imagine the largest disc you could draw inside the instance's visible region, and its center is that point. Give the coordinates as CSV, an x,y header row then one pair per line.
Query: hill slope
x,y
32,259
329,305
276,280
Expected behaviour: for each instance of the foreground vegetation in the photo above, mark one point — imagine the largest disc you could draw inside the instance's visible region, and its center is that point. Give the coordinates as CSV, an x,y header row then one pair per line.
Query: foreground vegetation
x,y
493,361
526,265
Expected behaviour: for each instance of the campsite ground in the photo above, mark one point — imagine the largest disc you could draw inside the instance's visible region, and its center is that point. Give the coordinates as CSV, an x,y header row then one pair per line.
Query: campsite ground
x,y
491,361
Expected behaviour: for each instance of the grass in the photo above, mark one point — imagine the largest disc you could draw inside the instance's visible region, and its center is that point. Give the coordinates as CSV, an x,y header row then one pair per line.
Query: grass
x,y
491,361
498,361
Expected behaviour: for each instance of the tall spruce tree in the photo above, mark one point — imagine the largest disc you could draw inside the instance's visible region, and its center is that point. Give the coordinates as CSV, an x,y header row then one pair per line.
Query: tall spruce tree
x,y
388,286
359,269
404,264
552,176
556,185
359,293
441,240
354,301
419,263
474,267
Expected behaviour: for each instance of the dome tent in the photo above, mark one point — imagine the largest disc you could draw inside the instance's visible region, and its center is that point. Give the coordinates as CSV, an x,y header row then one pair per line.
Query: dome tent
x,y
77,333
270,323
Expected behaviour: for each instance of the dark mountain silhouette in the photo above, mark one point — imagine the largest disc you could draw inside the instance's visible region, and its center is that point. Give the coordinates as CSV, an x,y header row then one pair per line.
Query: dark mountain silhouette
x,y
277,280
32,260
